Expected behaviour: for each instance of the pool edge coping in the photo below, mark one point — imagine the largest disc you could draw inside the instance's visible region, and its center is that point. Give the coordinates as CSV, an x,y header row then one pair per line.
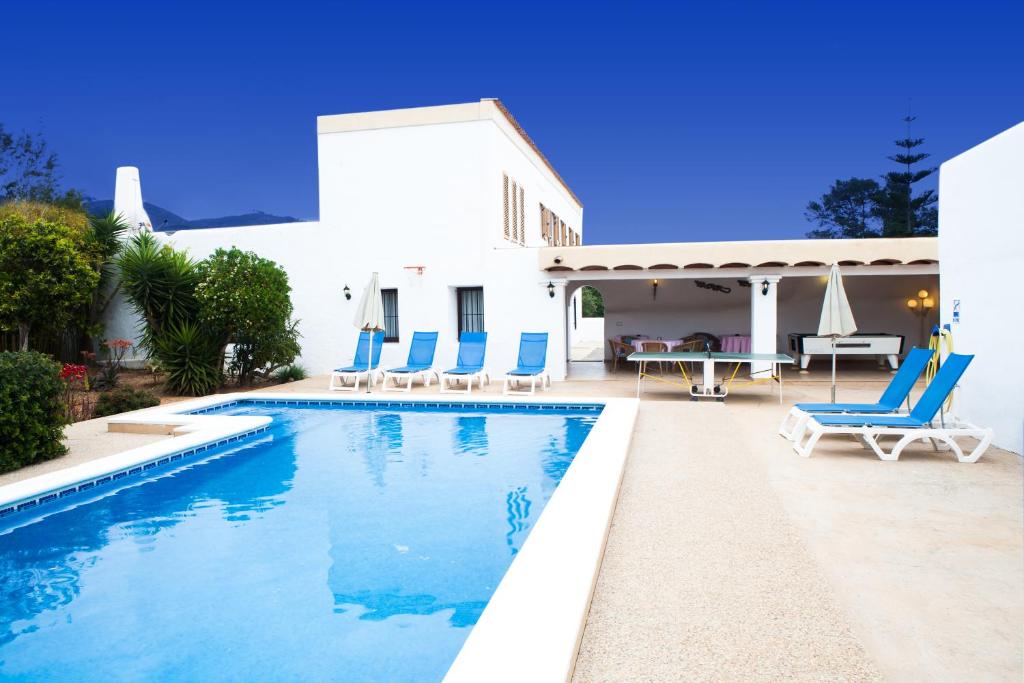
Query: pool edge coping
x,y
533,624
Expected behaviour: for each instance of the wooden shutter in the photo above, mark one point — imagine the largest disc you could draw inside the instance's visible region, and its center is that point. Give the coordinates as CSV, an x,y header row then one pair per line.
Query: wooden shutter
x,y
515,212
504,194
522,216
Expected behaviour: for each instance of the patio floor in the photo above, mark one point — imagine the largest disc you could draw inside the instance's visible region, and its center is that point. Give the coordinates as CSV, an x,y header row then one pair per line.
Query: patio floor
x,y
731,558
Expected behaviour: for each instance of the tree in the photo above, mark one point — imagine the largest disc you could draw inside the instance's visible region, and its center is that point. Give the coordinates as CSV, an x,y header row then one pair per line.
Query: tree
x,y
246,300
191,311
29,171
46,275
847,210
901,212
860,207
160,284
104,241
593,303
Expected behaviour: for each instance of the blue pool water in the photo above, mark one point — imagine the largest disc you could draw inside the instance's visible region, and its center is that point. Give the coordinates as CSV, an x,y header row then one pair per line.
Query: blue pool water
x,y
341,545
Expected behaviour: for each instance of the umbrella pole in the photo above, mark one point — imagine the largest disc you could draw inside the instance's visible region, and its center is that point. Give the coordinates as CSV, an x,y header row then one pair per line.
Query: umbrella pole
x,y
369,366
833,370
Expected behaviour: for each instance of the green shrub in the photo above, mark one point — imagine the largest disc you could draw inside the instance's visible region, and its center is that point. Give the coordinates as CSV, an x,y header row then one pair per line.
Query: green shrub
x,y
290,373
160,284
32,416
246,299
192,311
123,400
191,359
46,274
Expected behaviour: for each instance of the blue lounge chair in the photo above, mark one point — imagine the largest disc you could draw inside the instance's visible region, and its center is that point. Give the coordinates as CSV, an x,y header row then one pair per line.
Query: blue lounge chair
x,y
420,362
909,428
359,369
892,398
469,366
533,353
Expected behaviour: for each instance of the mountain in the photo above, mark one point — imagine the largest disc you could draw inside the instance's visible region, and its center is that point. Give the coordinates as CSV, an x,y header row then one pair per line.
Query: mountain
x,y
164,220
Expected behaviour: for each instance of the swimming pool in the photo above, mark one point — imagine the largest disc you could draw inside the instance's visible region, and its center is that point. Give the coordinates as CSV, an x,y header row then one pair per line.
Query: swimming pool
x,y
347,542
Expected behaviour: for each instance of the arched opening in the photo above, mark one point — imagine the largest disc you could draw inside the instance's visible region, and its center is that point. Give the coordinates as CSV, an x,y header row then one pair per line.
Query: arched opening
x,y
586,325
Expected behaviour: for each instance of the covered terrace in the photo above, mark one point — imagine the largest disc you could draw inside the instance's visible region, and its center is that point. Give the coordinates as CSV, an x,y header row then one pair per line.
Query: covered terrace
x,y
761,292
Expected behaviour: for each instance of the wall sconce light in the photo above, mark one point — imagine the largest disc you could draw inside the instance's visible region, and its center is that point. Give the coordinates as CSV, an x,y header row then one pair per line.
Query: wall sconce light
x,y
551,289
348,293
654,290
765,286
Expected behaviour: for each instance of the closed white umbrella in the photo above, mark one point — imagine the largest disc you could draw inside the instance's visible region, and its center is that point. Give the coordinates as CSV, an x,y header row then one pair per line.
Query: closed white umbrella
x,y
370,318
836,316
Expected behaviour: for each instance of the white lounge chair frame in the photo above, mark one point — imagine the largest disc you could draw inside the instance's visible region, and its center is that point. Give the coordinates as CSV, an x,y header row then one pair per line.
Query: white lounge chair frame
x,y
406,378
871,436
545,383
447,381
799,419
370,375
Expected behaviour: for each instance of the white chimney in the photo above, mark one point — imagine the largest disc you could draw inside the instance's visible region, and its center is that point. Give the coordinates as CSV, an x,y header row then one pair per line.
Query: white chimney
x,y
128,199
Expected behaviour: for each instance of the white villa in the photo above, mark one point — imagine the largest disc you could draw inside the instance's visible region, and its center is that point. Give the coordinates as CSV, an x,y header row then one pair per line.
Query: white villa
x,y
470,227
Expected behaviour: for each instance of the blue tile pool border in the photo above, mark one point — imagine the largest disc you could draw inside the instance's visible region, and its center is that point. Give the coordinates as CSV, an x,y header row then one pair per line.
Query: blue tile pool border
x,y
357,404
145,467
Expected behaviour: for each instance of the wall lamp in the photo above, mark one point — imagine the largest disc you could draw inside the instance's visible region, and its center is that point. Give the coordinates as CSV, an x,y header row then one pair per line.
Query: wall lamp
x,y
551,289
765,286
348,293
654,290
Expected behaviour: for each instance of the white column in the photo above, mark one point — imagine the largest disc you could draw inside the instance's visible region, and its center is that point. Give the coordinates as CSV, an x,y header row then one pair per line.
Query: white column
x,y
558,339
763,319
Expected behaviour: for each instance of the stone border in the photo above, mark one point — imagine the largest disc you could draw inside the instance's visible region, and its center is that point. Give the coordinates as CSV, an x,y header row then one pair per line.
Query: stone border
x,y
532,625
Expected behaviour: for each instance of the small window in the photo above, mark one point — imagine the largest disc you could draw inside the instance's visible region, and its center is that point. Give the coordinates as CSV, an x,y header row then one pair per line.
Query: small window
x,y
390,297
470,302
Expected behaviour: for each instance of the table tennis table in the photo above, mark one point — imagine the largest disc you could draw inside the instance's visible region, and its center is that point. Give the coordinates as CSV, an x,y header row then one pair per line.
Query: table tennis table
x,y
709,387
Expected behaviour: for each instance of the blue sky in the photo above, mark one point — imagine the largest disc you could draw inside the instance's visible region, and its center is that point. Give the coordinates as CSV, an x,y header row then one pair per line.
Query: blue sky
x,y
672,121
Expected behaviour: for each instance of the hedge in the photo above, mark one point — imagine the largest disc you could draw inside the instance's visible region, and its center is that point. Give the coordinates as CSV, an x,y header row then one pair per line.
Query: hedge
x,y
32,415
122,400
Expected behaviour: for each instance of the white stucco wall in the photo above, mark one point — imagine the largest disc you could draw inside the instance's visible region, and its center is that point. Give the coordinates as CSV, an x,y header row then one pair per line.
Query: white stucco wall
x,y
681,308
981,255
416,195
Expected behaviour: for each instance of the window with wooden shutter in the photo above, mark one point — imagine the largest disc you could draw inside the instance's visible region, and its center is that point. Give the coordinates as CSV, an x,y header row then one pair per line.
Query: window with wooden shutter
x,y
554,231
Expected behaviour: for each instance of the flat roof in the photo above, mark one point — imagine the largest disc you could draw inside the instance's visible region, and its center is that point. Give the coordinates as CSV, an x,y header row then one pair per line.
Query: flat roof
x,y
486,109
745,254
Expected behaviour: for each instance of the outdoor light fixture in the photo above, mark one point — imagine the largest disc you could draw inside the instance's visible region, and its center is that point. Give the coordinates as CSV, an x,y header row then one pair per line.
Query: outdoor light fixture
x,y
764,287
551,289
654,290
920,307
348,293
922,303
